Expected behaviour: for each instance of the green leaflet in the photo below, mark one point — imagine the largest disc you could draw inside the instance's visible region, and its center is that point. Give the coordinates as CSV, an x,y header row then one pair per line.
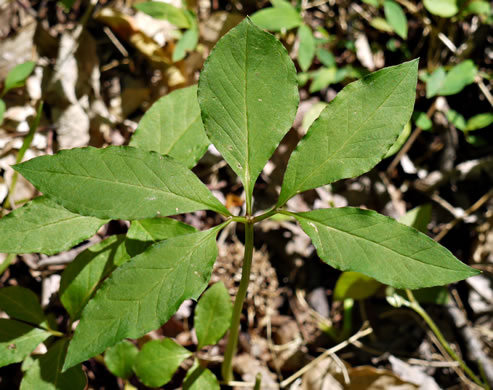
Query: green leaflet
x,y
187,42
354,131
160,10
353,285
200,378
173,126
157,229
83,275
158,360
458,77
144,293
434,82
283,16
45,373
2,110
22,304
213,315
119,182
443,8
18,340
43,226
479,121
306,50
17,76
364,241
418,218
248,95
396,18
120,358
400,141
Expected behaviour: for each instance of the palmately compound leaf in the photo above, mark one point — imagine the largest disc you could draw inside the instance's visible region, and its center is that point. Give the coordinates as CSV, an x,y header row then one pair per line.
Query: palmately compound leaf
x,y
119,182
144,293
18,340
354,131
158,360
45,373
120,358
172,126
213,315
22,304
248,95
352,239
43,226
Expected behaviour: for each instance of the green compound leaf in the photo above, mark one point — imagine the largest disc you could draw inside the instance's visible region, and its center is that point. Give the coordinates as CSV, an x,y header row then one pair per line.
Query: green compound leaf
x,y
306,50
119,182
248,95
353,285
165,11
355,130
364,241
173,126
158,360
43,226
283,16
18,340
458,77
213,315
120,358
83,275
144,293
396,18
443,8
200,378
45,373
17,76
22,304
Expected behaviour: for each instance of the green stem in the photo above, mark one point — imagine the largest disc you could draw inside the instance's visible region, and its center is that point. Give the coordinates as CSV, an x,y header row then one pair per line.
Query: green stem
x,y
414,304
265,215
22,151
226,369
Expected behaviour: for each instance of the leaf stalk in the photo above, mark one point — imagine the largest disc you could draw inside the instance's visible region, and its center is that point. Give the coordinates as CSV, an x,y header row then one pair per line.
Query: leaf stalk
x,y
227,368
414,304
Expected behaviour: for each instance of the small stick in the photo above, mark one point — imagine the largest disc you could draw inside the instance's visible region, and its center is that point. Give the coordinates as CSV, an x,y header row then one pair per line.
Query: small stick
x,y
362,333
449,226
417,131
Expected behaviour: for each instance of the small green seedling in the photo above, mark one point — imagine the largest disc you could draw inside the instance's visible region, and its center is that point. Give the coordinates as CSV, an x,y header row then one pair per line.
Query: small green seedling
x,y
129,285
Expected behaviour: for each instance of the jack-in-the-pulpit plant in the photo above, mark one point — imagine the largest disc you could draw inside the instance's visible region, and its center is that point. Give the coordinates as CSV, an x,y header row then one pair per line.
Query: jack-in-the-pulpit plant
x,y
126,286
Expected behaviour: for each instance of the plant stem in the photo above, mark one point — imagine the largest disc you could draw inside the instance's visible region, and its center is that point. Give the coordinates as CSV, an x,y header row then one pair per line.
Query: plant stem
x,y
226,369
414,304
